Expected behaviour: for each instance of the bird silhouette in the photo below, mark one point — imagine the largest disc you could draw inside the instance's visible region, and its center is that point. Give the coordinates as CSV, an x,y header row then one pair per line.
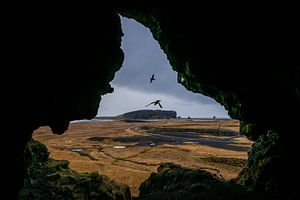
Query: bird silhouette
x,y
157,102
152,78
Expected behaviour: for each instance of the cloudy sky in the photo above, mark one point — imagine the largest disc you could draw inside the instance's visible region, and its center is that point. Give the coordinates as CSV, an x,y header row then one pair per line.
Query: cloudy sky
x,y
132,90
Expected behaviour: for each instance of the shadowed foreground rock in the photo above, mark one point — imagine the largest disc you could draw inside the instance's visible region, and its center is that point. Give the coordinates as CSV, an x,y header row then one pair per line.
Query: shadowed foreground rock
x,y
176,182
263,171
52,179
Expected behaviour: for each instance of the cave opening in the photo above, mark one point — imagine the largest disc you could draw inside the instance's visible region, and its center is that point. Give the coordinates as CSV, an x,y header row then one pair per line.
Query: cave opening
x,y
143,58
65,61
128,150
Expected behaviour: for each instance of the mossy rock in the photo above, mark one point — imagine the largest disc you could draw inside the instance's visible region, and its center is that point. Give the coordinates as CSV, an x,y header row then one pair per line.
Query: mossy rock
x,y
176,182
53,179
262,173
36,152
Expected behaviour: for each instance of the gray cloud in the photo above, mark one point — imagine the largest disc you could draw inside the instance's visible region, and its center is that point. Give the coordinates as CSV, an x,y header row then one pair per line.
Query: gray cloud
x,y
143,57
125,100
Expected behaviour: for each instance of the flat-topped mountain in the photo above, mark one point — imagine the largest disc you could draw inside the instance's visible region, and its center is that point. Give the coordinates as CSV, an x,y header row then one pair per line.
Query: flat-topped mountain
x,y
149,114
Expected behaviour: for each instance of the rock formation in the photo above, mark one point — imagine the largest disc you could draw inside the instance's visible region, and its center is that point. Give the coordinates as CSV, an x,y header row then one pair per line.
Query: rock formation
x,y
61,61
175,182
53,179
64,61
264,172
237,58
149,114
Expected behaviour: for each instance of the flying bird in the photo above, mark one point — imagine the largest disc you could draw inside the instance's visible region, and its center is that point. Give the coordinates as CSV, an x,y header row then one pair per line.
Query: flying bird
x,y
157,102
152,78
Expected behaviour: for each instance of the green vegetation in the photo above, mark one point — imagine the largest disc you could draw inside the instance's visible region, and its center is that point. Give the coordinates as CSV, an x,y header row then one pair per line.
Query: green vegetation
x,y
262,172
176,182
239,162
52,179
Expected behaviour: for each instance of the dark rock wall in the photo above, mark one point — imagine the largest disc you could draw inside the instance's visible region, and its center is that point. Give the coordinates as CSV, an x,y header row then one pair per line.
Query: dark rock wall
x,y
63,61
263,162
250,63
247,61
64,58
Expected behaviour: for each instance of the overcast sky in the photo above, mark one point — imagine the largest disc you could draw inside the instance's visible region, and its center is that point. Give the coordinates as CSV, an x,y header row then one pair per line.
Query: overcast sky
x,y
132,90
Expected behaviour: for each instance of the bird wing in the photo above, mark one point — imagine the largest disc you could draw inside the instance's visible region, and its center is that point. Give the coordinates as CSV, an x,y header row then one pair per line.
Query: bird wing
x,y
159,105
149,104
152,78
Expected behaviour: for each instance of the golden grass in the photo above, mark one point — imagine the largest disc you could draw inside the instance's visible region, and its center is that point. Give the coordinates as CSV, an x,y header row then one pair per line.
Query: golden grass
x,y
134,164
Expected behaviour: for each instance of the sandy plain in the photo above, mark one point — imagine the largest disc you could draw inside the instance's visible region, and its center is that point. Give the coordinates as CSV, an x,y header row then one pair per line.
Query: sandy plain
x,y
129,151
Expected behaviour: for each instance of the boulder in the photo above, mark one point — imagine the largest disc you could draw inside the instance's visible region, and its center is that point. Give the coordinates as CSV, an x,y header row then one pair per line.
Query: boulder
x,y
53,179
175,182
269,169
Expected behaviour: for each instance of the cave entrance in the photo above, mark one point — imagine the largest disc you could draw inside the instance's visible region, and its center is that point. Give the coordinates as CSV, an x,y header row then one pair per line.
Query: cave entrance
x,y
133,90
128,150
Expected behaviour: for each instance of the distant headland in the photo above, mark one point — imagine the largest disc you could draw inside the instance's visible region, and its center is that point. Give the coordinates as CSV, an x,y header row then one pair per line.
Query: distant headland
x,y
145,114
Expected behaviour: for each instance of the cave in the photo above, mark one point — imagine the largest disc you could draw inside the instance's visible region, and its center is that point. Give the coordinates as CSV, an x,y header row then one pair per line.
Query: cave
x,y
249,63
142,58
128,141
